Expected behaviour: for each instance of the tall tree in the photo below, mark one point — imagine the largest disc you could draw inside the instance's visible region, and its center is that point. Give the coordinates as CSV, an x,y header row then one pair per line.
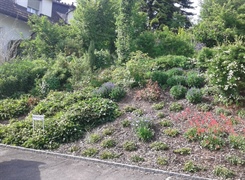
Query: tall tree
x,y
167,12
124,31
221,21
95,21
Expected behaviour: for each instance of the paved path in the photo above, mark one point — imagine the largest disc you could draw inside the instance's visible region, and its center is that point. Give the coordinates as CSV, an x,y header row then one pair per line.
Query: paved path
x,y
22,164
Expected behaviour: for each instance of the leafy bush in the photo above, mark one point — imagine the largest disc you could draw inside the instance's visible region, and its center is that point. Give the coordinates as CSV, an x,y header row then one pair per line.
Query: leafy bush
x,y
152,92
189,166
12,108
158,146
175,72
203,57
212,142
117,93
194,79
166,123
176,107
108,155
66,117
108,143
178,91
105,90
183,151
171,132
176,80
158,106
129,146
224,172
237,142
19,76
162,161
90,152
194,95
137,158
160,77
94,138
142,126
227,70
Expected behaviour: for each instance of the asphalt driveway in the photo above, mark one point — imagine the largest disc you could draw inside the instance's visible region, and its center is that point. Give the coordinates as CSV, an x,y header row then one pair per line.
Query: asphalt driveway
x,y
23,164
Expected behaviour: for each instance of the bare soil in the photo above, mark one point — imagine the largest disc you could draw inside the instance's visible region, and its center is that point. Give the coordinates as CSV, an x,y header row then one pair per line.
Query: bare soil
x,y
204,158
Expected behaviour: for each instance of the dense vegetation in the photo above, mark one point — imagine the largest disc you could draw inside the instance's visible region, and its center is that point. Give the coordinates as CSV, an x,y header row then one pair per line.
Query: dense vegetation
x,y
75,74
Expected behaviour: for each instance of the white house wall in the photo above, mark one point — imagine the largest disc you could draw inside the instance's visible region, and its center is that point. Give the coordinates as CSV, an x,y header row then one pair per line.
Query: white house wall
x,y
21,2
46,7
11,29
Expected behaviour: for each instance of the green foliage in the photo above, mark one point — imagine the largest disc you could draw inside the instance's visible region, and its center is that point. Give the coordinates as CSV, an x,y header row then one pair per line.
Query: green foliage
x,y
94,138
204,56
223,111
137,158
178,91
194,95
159,146
56,77
204,107
105,90
129,146
160,77
162,161
158,106
212,142
235,160
142,126
171,132
126,123
129,109
183,151
19,76
108,131
164,42
108,143
241,113
90,152
166,123
237,142
12,108
189,166
176,80
117,93
108,155
195,80
175,71
160,115
227,71
176,107
224,172
50,39
192,134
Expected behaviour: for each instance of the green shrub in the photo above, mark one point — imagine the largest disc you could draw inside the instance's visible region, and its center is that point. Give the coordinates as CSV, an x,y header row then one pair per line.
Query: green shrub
x,y
90,152
189,166
129,109
12,108
224,172
227,71
204,107
137,158
237,142
108,155
194,95
175,72
235,160
223,111
176,80
160,77
158,106
126,123
203,57
166,123
117,93
105,90
171,132
66,120
129,146
176,107
195,80
241,113
192,134
183,151
94,138
212,142
108,131
162,161
19,76
108,143
159,146
178,91
160,115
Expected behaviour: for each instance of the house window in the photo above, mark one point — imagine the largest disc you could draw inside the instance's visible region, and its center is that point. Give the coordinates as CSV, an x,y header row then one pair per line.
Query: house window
x,y
31,10
33,6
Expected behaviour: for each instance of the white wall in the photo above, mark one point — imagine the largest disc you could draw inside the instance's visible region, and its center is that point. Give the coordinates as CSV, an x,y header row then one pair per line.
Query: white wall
x,y
21,2
11,29
46,7
69,17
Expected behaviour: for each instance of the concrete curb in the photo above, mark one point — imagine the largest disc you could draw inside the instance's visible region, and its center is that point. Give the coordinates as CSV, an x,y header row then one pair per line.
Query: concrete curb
x,y
134,167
